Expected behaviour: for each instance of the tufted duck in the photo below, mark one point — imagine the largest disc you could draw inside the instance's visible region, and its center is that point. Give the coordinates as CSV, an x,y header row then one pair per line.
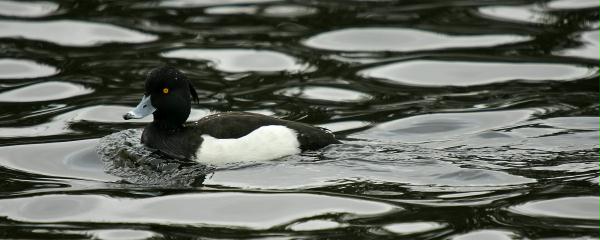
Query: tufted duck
x,y
218,138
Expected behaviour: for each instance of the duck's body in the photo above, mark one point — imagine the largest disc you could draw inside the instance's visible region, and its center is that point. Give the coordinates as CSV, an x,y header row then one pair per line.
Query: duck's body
x,y
218,138
236,136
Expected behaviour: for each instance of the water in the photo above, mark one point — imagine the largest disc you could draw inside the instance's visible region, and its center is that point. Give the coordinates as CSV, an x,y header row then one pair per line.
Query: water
x,y
460,119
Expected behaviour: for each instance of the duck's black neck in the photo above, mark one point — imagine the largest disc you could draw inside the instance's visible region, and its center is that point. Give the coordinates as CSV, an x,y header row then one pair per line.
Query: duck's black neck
x,y
167,124
162,125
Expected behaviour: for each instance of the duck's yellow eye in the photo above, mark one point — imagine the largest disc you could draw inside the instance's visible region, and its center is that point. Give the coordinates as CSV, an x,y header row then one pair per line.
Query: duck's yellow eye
x,y
165,90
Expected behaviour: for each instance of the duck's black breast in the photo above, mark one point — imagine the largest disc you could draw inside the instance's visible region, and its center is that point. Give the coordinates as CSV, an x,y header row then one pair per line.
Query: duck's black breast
x,y
239,124
183,143
180,143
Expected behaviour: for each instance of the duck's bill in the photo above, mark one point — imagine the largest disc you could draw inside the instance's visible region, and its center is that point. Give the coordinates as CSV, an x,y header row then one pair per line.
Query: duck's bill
x,y
144,108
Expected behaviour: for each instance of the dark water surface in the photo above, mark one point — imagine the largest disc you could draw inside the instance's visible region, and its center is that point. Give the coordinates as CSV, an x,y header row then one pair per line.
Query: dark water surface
x,y
462,119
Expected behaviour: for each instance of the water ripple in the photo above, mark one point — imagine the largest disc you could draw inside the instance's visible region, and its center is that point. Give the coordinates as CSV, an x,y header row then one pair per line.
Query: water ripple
x,y
572,4
208,209
569,207
21,68
72,33
27,9
46,91
443,126
459,73
589,47
241,60
398,39
519,14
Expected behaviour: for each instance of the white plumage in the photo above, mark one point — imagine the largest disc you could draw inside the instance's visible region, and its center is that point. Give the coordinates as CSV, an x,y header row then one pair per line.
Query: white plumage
x,y
265,143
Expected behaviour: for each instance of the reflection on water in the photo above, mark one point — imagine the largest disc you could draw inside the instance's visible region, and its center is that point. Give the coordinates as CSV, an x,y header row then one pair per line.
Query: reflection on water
x,y
444,126
572,4
324,93
588,47
213,209
27,9
123,234
313,225
460,119
572,208
527,14
398,39
70,159
455,73
46,91
241,60
20,68
487,234
413,227
192,3
71,33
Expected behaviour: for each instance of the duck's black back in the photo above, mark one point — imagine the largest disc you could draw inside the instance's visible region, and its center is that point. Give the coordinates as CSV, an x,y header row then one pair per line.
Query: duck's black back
x,y
239,124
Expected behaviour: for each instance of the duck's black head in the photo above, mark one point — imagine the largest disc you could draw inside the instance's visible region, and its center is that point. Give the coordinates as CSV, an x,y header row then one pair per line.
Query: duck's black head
x,y
168,95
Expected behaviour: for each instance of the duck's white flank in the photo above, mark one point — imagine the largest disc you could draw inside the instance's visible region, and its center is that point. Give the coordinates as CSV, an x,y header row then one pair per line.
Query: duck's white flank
x,y
264,143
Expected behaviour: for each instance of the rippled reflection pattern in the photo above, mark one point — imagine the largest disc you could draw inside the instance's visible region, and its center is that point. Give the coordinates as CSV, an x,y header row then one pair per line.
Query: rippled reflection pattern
x,y
21,68
461,119
398,39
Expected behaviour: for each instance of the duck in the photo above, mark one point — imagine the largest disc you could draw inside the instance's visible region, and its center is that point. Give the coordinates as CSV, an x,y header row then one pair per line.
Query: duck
x,y
224,137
